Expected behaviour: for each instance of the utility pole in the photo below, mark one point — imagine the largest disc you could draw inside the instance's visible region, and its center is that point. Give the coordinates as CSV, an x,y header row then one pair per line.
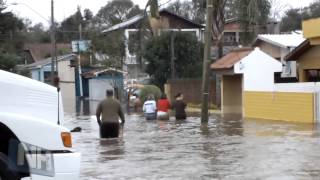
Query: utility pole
x,y
80,31
79,61
53,43
206,61
173,71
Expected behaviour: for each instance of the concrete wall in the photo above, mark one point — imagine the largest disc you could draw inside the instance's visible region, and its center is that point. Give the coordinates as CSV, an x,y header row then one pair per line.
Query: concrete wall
x,y
68,91
308,28
231,94
309,60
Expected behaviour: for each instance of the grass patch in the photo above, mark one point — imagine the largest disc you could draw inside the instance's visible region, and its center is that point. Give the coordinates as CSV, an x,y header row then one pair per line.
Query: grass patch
x,y
198,106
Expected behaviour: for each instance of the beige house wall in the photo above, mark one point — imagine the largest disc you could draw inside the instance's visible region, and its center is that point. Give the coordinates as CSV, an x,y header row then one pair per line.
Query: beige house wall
x,y
309,60
66,73
231,94
271,50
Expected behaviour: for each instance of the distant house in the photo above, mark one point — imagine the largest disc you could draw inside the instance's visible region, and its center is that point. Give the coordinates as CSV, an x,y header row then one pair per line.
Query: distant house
x,y
278,46
41,70
233,32
39,51
168,22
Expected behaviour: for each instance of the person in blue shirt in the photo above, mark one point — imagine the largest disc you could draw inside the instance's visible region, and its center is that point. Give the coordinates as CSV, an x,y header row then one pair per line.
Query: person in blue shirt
x,y
150,108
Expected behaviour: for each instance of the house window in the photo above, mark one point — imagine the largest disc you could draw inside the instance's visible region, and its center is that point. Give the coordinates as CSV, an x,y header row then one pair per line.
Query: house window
x,y
230,37
313,75
47,77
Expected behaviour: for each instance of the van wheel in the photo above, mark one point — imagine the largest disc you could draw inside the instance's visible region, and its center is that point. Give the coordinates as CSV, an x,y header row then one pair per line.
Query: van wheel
x,y
5,171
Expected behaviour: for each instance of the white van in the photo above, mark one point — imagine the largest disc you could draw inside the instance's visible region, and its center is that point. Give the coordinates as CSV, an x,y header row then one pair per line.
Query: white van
x,y
33,142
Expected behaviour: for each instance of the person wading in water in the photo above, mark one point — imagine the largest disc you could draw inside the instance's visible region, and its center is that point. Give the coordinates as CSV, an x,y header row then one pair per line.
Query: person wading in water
x,y
111,110
163,108
180,107
150,108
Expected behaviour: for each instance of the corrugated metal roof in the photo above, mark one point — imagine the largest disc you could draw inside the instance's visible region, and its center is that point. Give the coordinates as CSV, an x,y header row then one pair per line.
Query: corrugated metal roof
x,y
124,24
231,58
97,72
47,61
282,40
139,17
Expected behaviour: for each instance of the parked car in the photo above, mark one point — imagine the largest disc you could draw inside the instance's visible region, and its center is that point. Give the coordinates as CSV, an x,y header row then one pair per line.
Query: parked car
x,y
33,142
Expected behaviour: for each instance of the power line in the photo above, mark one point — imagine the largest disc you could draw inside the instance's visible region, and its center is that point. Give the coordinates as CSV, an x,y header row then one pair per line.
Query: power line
x,y
165,3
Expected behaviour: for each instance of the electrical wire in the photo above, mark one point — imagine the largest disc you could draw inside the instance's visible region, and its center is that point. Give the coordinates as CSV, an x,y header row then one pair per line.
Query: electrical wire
x,y
165,3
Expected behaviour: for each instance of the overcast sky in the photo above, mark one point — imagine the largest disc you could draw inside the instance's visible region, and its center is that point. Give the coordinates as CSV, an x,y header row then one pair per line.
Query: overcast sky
x,y
64,8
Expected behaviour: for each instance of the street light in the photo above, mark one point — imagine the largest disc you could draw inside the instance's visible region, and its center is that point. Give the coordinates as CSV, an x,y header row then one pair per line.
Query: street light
x,y
52,35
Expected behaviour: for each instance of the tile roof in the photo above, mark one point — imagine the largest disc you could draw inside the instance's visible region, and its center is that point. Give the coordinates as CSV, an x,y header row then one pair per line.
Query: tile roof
x,y
231,58
40,51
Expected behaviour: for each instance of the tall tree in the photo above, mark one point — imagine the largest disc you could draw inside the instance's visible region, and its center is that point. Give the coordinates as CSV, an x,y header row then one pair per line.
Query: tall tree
x,y
291,20
116,12
69,28
253,14
188,55
313,10
37,34
11,38
194,10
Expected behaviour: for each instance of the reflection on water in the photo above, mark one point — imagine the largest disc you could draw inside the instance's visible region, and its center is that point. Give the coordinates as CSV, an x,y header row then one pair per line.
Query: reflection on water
x,y
225,148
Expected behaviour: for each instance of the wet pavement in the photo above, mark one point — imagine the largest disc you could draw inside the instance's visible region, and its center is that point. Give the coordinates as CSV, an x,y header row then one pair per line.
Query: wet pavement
x,y
225,148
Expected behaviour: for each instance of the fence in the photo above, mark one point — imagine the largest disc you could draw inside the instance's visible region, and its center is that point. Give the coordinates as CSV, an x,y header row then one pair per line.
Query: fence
x,y
190,88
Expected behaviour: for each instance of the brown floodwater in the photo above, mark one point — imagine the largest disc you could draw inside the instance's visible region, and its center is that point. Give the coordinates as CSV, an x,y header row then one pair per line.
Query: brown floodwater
x,y
226,148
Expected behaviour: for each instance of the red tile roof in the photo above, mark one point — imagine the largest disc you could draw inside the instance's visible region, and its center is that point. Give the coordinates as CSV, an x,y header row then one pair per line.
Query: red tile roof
x,y
231,58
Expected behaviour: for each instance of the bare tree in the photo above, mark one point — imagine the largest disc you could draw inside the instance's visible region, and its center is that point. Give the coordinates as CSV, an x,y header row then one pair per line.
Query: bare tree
x,y
277,7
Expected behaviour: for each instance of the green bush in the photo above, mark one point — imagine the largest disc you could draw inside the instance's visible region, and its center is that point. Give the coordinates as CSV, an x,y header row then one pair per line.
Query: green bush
x,y
150,90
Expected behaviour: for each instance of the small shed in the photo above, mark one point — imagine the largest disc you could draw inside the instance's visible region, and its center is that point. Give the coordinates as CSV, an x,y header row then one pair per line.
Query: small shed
x,y
243,71
100,80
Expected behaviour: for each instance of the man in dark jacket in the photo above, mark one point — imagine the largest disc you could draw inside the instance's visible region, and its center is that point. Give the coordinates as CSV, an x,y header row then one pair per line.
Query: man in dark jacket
x,y
111,110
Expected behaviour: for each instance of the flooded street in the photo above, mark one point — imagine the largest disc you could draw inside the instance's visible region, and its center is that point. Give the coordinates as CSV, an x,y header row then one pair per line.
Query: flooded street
x,y
226,148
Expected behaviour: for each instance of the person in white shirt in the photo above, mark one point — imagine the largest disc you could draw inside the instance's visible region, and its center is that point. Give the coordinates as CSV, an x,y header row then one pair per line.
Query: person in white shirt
x,y
150,108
